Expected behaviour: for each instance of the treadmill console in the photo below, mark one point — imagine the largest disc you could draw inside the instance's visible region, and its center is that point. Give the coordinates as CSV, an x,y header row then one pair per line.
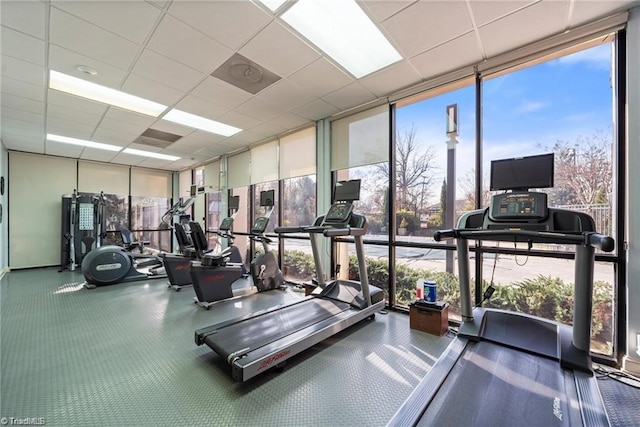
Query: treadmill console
x,y
226,224
338,213
260,225
519,206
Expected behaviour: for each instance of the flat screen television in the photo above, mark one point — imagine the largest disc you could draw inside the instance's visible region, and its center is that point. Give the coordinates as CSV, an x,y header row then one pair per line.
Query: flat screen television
x,y
347,191
522,173
266,198
234,202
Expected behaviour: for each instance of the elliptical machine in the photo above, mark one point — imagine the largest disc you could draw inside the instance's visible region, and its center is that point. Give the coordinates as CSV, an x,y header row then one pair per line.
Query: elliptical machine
x,y
213,277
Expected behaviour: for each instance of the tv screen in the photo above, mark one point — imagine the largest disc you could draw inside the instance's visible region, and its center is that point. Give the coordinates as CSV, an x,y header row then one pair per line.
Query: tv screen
x,y
522,173
193,191
347,191
266,198
234,202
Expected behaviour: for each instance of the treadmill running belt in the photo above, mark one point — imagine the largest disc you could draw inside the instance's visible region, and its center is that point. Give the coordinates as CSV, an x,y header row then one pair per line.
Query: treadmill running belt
x,y
492,385
256,332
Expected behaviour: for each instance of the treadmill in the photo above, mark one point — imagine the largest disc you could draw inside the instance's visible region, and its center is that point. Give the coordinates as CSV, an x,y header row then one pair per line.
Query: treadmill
x,y
506,368
263,340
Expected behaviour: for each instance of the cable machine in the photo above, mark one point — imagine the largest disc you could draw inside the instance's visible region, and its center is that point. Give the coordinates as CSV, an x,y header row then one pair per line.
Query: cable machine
x,y
82,226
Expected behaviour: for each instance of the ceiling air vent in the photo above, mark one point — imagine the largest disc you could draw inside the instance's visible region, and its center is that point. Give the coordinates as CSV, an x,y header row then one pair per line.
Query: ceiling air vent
x,y
157,138
245,74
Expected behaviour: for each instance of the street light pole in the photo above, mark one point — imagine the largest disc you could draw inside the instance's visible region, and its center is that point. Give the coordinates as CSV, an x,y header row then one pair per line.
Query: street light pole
x,y
452,133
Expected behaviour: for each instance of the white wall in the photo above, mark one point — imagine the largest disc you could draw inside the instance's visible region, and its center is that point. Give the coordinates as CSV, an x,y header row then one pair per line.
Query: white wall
x,y
4,243
632,362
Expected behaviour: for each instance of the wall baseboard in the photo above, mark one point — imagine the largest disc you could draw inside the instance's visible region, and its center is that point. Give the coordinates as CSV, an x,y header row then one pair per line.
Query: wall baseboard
x,y
4,271
631,365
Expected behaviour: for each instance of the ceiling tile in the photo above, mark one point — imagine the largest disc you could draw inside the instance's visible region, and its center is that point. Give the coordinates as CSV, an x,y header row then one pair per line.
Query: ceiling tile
x,y
117,125
585,11
184,44
81,37
25,16
316,110
550,18
132,20
424,25
166,71
197,140
22,104
350,96
26,143
289,121
73,115
24,116
261,109
267,129
391,79
278,50
22,46
22,89
239,120
381,10
231,23
73,129
26,72
485,11
76,103
54,148
97,155
247,138
321,77
66,61
448,57
171,127
201,107
154,91
123,116
114,137
287,94
12,128
220,93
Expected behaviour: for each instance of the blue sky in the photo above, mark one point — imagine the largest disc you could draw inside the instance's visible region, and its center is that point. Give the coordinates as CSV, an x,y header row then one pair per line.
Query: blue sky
x,y
523,111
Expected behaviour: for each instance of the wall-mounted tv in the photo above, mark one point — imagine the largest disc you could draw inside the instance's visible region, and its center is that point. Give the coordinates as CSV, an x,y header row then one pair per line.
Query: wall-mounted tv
x,y
347,191
522,173
267,198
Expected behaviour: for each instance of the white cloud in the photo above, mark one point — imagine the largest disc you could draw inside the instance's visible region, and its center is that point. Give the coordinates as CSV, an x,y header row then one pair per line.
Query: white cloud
x,y
598,57
530,106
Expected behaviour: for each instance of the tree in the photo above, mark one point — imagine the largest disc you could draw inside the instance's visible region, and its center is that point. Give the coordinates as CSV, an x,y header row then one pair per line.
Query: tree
x,y
468,185
443,201
415,165
583,172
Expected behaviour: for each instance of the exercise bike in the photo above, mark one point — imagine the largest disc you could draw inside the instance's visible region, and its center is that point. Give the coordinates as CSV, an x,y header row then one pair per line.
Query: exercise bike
x,y
214,276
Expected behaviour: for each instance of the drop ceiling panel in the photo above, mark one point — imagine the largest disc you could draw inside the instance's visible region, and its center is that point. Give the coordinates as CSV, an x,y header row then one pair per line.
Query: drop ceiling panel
x,y
117,125
115,137
321,77
391,79
584,11
129,117
316,110
22,46
66,61
349,96
220,92
54,148
202,107
18,88
22,104
174,128
550,18
69,128
261,109
231,23
487,11
197,140
154,163
163,70
289,121
288,94
73,115
26,72
97,155
81,37
278,50
20,128
448,57
23,116
184,44
239,120
424,25
132,20
154,91
24,143
268,128
24,16
76,103
381,10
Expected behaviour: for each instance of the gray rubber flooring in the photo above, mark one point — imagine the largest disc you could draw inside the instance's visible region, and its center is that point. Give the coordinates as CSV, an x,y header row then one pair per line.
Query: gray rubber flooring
x,y
124,355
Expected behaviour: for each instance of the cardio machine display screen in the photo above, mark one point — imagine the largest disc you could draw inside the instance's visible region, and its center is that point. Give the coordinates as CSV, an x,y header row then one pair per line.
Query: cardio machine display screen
x,y
339,212
518,206
260,225
226,224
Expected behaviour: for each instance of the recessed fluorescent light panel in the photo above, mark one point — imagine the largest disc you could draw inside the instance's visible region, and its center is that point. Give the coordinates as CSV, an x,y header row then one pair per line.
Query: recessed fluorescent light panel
x,y
273,5
150,154
96,92
344,32
82,142
201,123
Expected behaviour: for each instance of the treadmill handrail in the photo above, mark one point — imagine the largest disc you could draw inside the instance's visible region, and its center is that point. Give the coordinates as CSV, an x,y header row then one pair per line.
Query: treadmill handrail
x,y
596,240
347,231
290,229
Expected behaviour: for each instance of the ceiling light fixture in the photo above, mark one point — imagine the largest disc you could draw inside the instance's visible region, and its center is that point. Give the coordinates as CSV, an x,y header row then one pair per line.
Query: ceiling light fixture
x,y
150,154
82,142
85,69
96,92
207,125
344,32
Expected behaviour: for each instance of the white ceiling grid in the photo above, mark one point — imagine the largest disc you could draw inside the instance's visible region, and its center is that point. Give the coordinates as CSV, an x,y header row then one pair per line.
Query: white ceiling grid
x,y
165,51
